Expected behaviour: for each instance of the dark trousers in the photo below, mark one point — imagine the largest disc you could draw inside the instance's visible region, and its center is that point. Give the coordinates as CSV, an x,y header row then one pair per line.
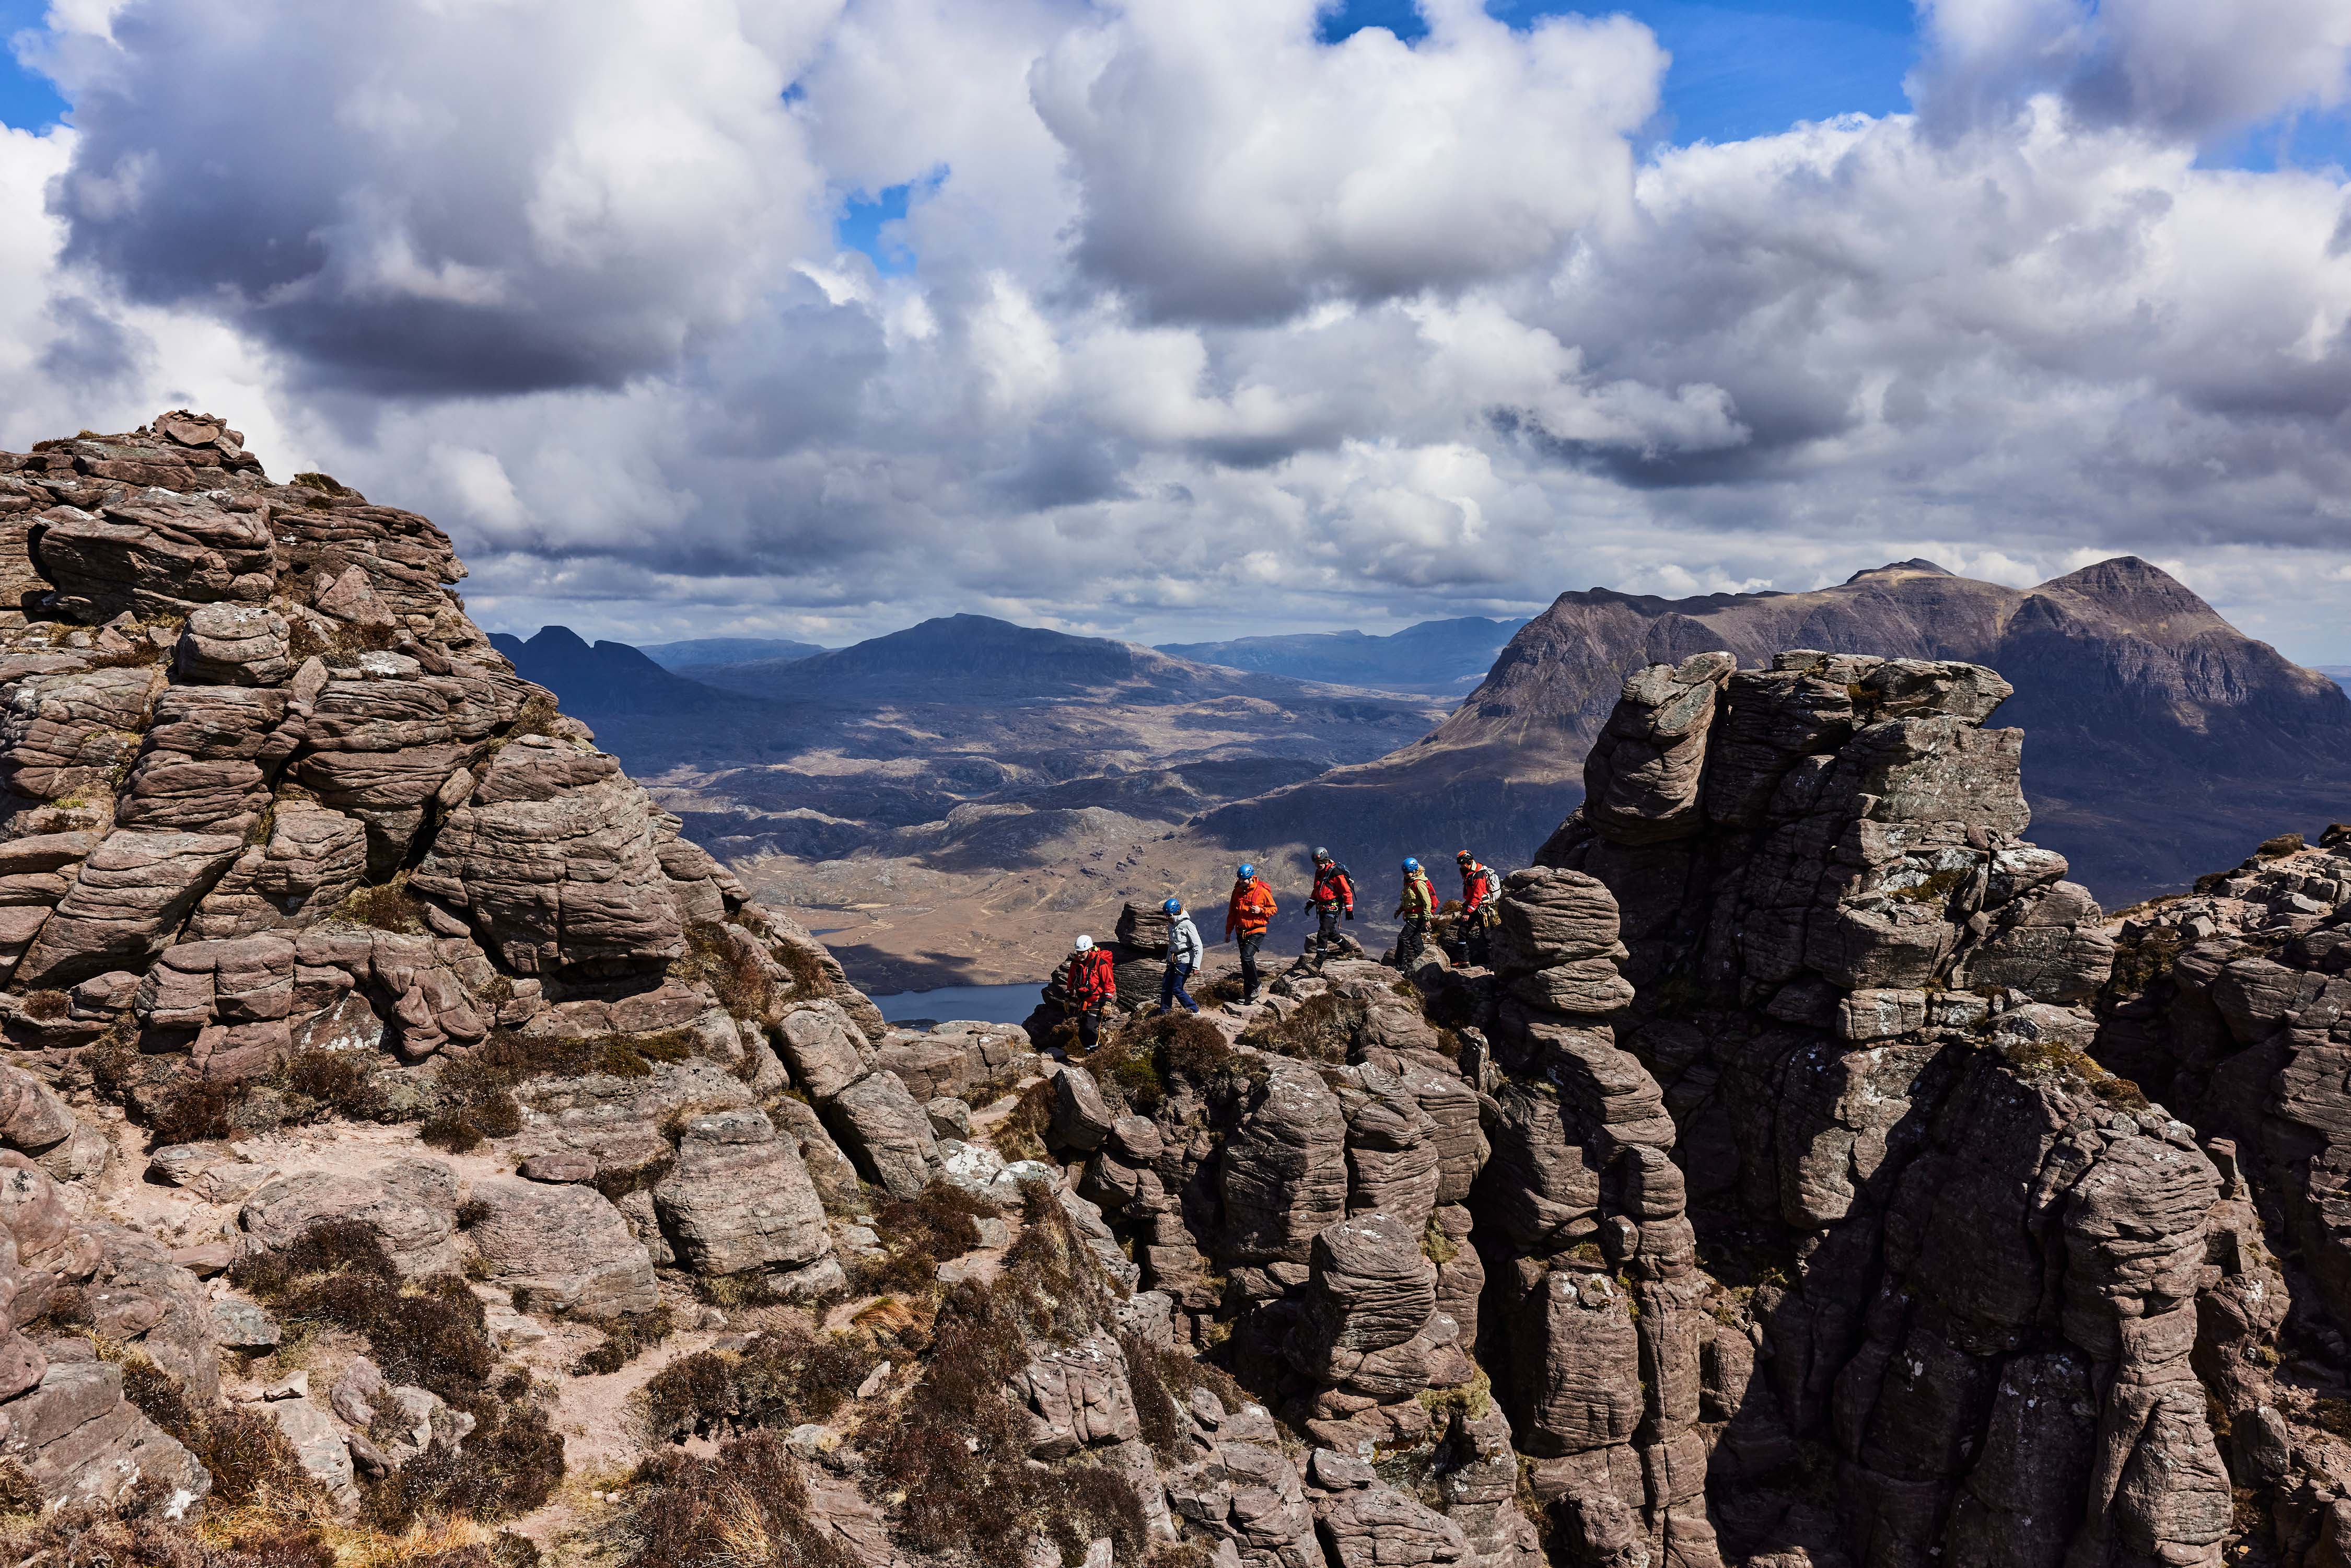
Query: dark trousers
x,y
1090,1026
1411,941
1474,935
1248,946
1326,927
1171,988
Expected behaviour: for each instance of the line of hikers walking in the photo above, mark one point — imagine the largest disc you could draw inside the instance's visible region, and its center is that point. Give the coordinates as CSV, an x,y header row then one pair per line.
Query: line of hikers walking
x,y
1092,983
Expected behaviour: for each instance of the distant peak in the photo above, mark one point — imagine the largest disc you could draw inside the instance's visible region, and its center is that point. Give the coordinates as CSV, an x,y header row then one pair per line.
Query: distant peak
x,y
550,638
1894,568
2127,577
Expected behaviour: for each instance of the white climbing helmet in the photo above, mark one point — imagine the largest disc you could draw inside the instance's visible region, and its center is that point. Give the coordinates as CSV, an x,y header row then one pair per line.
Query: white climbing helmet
x,y
1081,944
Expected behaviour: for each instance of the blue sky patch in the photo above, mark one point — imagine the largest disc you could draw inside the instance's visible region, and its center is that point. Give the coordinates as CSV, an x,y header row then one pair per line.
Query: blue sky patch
x,y
875,224
28,101
1741,67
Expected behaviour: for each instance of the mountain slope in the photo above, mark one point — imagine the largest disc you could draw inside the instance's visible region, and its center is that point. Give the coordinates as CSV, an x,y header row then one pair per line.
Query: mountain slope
x,y
606,678
699,652
2160,737
1438,656
978,659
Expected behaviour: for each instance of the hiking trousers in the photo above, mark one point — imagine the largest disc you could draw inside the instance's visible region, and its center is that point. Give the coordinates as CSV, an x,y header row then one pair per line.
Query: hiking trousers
x,y
1249,944
1412,941
1089,1021
1171,990
1326,928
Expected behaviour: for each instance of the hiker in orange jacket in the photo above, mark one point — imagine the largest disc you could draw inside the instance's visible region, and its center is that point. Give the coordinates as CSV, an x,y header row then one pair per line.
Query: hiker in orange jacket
x,y
1334,895
1479,889
1092,982
1246,915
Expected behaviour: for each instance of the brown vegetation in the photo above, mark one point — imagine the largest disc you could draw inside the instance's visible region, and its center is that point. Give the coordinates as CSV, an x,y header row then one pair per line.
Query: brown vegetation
x,y
779,1379
747,1504
625,1340
921,1233
1320,1028
430,1333
982,1496
735,973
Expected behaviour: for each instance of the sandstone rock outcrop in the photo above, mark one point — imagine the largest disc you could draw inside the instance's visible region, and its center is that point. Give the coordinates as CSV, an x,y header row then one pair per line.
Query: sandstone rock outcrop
x,y
285,839
1856,986
1770,1199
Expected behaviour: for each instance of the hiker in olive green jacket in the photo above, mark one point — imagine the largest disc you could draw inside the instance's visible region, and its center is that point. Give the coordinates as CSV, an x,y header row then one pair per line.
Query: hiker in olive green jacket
x,y
1415,907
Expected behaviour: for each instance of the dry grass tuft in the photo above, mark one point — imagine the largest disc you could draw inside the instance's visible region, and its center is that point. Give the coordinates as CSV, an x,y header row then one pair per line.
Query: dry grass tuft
x,y
747,1505
1320,1028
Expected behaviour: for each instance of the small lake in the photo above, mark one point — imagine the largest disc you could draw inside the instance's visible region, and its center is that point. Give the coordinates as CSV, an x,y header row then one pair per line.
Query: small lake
x,y
989,1004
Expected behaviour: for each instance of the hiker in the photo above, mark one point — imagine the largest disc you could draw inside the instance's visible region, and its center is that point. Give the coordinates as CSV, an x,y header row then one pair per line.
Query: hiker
x,y
1479,910
1092,984
1414,907
1333,893
1186,953
1246,917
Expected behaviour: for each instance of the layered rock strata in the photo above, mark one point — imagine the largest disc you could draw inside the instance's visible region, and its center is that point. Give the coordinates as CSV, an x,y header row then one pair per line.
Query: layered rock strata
x,y
277,815
1977,1262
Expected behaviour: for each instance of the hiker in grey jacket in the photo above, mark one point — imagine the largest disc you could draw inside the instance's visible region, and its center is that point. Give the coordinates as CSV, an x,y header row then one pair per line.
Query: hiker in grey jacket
x,y
1184,953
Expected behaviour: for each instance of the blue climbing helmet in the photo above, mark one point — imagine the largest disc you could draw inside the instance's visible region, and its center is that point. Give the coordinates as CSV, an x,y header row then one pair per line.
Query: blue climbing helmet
x,y
1173,906
1410,864
1246,870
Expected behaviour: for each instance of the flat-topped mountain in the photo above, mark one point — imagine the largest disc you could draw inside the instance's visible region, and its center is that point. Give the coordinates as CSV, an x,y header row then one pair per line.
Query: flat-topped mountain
x,y
1435,656
964,659
697,653
2161,734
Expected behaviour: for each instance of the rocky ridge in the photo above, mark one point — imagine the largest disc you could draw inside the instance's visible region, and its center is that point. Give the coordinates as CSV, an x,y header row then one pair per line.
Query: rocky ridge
x,y
1772,1199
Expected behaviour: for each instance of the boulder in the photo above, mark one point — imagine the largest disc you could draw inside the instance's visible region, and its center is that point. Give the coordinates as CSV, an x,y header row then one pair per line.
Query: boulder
x,y
886,1134
1284,1173
1082,1118
558,1248
410,1206
78,1440
831,1172
824,1048
318,1447
1371,1288
131,895
554,855
234,646
741,1199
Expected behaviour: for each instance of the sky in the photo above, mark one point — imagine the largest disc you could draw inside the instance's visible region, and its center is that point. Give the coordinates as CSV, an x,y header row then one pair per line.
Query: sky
x,y
1175,319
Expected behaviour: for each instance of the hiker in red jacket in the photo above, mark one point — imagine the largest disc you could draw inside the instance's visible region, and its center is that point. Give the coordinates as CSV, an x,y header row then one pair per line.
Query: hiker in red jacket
x,y
1479,913
1092,984
1246,917
1334,895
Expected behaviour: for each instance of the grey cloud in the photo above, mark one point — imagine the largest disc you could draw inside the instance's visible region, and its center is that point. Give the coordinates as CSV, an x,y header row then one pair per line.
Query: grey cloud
x,y
416,200
1171,360
91,350
2186,69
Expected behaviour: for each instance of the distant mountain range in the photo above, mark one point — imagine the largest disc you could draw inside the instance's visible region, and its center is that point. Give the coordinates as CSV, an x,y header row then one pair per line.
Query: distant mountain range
x,y
823,754
1440,657
606,679
2159,741
701,653
973,785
